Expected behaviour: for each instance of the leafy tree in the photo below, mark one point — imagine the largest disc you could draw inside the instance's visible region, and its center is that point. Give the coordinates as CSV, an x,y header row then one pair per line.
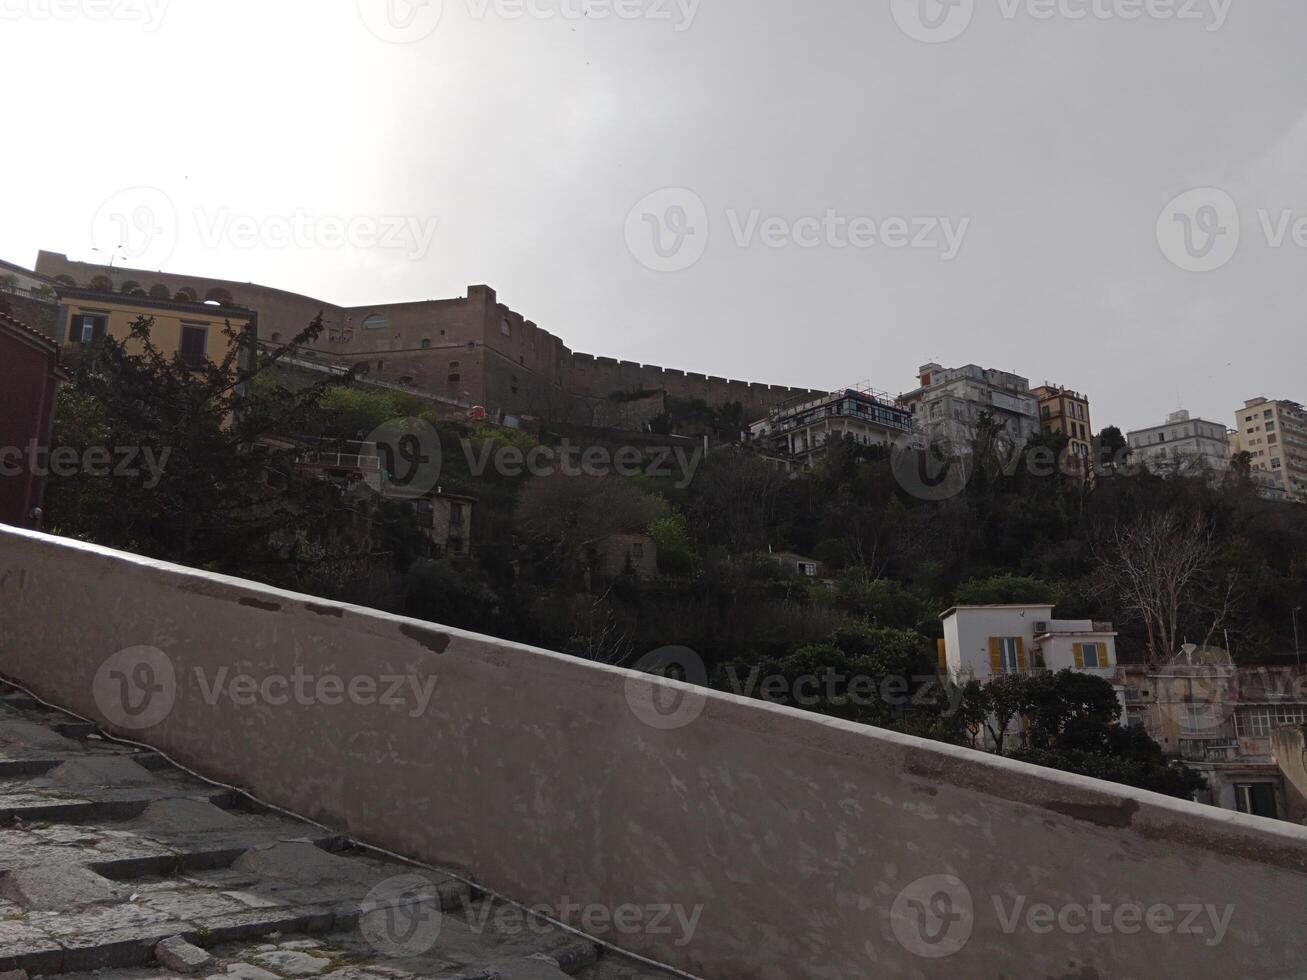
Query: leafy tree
x,y
1005,589
671,535
214,483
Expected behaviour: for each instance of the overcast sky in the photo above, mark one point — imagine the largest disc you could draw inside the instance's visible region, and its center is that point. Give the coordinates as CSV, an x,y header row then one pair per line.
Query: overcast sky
x,y
1032,154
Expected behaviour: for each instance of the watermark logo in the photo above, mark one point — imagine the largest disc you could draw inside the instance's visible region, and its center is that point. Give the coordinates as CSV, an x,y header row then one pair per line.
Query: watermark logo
x,y
1198,700
933,917
667,231
136,688
933,21
148,13
1199,231
410,458
401,21
139,224
401,917
661,706
931,471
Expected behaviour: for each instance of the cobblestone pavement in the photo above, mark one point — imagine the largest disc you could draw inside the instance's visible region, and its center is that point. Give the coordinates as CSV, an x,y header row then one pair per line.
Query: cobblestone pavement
x,y
107,852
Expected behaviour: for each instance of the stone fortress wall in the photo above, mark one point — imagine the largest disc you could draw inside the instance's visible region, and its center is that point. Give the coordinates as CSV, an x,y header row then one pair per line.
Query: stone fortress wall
x,y
472,348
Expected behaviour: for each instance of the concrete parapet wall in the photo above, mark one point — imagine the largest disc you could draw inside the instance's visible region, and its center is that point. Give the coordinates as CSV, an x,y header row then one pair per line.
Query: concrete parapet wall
x,y
800,846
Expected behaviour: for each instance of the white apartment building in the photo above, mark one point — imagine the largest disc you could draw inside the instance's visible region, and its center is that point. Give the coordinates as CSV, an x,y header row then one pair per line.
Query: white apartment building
x,y
1274,435
798,434
982,642
950,401
1182,444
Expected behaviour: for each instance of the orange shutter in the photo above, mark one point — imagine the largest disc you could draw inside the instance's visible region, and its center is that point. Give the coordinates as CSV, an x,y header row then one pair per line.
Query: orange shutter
x,y
1021,655
1080,656
995,657
941,655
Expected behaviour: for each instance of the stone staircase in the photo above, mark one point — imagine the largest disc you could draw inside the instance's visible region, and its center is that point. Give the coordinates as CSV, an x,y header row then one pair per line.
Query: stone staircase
x,y
106,852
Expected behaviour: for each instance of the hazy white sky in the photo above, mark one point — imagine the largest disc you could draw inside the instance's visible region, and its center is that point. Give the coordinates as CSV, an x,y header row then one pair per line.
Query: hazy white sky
x,y
1032,159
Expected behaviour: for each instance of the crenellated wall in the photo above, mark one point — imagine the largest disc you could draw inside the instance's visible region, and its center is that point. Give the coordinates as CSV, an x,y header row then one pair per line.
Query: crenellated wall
x,y
472,348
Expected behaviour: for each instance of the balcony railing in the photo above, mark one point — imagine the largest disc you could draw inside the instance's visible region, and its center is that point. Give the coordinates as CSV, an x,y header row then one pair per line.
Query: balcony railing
x,y
1209,750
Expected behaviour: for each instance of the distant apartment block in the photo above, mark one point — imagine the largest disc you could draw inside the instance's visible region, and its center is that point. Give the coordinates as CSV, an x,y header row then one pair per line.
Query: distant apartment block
x,y
798,435
1222,720
983,642
950,402
1183,445
1066,412
1274,435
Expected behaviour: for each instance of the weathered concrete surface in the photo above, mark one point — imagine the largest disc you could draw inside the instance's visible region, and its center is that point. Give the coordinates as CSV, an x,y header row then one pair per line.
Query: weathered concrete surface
x,y
803,841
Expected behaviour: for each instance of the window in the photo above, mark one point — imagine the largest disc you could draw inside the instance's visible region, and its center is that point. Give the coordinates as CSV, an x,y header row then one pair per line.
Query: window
x,y
195,340
1260,721
505,327
455,513
637,552
454,378
426,344
380,365
1090,655
375,322
86,328
1006,654
1199,718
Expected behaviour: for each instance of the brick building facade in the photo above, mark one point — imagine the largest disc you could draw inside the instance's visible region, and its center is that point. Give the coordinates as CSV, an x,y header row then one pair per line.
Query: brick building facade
x,y
473,348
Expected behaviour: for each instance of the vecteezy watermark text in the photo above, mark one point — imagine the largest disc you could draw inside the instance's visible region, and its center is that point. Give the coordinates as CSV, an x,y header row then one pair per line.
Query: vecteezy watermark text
x,y
125,462
668,231
934,916
137,688
938,21
148,13
677,463
410,21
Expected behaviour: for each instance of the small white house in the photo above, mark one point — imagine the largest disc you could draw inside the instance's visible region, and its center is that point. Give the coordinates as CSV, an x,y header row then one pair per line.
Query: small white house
x,y
981,642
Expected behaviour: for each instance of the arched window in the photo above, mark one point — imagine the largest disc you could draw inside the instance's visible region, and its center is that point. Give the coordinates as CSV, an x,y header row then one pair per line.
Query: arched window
x,y
66,281
187,295
102,283
160,292
376,321
380,365
276,338
131,288
218,296
426,344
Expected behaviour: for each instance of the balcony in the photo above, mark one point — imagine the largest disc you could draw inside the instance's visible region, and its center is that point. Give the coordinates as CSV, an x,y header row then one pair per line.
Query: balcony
x,y
1209,749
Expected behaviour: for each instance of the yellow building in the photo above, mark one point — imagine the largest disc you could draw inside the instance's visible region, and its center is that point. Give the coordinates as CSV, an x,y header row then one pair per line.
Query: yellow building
x,y
193,330
1066,412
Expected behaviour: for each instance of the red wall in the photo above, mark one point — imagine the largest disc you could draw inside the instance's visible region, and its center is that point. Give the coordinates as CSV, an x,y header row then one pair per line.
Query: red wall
x,y
27,388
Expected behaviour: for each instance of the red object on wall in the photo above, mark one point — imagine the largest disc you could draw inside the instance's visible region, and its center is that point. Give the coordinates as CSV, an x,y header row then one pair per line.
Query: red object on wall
x,y
29,376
